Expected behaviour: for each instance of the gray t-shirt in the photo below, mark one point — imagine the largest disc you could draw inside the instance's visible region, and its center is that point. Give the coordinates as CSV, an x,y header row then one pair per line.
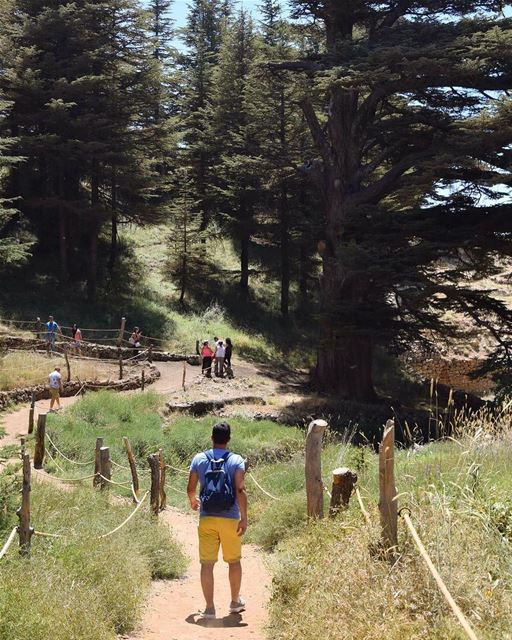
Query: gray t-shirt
x,y
200,465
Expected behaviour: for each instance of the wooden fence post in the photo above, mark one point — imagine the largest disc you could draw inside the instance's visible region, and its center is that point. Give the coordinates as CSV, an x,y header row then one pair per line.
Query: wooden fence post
x,y
105,467
142,380
388,505
66,358
38,328
154,464
97,462
314,484
184,374
39,443
343,481
22,447
25,531
150,354
133,466
31,413
121,332
163,495
120,357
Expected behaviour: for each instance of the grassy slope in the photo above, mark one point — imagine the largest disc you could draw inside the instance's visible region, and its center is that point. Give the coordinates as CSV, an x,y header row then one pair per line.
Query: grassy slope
x,y
80,588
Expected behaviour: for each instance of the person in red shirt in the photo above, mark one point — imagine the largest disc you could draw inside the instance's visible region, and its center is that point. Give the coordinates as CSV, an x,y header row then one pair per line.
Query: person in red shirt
x,y
207,355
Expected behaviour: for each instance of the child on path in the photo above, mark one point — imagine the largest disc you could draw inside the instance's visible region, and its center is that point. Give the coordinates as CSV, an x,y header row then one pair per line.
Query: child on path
x,y
55,384
77,337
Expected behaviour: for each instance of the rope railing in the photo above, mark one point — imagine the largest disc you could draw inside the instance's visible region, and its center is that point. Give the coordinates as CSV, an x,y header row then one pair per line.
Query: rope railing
x,y
169,466
261,488
118,484
365,513
65,456
137,507
435,574
8,542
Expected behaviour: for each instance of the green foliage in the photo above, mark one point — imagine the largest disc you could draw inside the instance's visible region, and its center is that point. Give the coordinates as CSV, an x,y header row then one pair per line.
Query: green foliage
x,y
79,587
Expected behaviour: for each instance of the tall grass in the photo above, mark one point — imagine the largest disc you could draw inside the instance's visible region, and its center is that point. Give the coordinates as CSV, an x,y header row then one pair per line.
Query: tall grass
x,y
80,587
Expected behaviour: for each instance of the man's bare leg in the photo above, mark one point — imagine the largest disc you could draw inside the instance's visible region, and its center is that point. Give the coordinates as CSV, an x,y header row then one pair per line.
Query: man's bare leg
x,y
235,579
207,584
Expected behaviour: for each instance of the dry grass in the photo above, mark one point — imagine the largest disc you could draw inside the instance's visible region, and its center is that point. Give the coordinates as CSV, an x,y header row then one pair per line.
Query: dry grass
x,y
24,369
329,582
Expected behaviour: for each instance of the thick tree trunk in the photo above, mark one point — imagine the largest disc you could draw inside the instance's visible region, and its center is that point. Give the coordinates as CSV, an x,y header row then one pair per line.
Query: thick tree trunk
x,y
344,367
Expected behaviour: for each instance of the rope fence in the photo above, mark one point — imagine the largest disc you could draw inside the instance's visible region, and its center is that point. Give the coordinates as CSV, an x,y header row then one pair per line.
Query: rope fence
x,y
261,488
8,542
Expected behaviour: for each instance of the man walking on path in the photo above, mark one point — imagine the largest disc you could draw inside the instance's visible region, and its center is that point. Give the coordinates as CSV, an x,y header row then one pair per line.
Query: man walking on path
x,y
55,380
222,504
52,328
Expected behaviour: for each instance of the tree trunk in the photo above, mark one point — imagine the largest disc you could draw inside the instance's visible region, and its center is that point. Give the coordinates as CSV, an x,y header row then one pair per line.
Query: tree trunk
x,y
93,233
285,254
344,367
113,233
244,261
63,242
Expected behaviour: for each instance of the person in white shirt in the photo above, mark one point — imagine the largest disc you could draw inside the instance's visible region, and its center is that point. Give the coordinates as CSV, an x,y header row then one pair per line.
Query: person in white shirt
x,y
220,353
55,385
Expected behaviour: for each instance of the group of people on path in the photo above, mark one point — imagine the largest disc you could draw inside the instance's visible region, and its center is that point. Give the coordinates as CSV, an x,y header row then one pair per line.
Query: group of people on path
x,y
52,330
220,357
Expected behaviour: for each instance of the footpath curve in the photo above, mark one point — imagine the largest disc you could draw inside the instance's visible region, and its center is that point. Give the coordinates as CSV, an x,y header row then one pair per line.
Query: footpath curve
x,y
171,610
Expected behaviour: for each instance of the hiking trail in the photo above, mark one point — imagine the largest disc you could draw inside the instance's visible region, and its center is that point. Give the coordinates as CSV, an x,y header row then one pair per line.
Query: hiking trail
x,y
171,609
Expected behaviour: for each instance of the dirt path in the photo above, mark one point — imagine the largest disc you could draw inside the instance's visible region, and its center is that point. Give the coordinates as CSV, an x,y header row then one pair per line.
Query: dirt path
x,y
171,611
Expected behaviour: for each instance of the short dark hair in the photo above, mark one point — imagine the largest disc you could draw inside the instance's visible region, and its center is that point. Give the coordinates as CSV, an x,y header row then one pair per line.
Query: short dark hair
x,y
221,433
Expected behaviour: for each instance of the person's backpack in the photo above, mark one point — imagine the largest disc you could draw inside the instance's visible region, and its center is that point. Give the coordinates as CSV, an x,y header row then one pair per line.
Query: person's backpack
x,y
217,493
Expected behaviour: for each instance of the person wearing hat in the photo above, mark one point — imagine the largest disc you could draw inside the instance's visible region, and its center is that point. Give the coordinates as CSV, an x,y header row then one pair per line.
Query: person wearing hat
x,y
207,355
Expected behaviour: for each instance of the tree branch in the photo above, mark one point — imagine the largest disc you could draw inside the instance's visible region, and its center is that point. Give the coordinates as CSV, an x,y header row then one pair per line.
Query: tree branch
x,y
316,131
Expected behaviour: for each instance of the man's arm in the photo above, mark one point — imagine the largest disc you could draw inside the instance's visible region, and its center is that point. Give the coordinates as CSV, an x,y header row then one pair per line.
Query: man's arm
x,y
193,479
241,495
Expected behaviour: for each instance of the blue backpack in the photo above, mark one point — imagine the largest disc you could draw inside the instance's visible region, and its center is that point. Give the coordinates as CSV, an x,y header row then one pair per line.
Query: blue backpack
x,y
217,493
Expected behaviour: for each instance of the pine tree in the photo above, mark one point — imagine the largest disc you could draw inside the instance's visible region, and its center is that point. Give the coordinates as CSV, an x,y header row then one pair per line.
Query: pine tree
x,y
408,139
82,82
239,167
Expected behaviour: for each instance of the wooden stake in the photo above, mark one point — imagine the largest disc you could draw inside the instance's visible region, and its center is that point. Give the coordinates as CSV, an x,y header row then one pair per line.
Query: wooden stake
x,y
314,484
150,354
388,505
31,413
120,356
343,481
97,462
25,531
66,358
142,380
39,442
163,495
22,448
121,332
184,374
154,464
133,467
105,467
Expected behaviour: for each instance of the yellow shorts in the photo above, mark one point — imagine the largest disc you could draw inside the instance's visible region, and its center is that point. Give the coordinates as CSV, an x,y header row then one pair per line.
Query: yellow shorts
x,y
215,532
54,393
